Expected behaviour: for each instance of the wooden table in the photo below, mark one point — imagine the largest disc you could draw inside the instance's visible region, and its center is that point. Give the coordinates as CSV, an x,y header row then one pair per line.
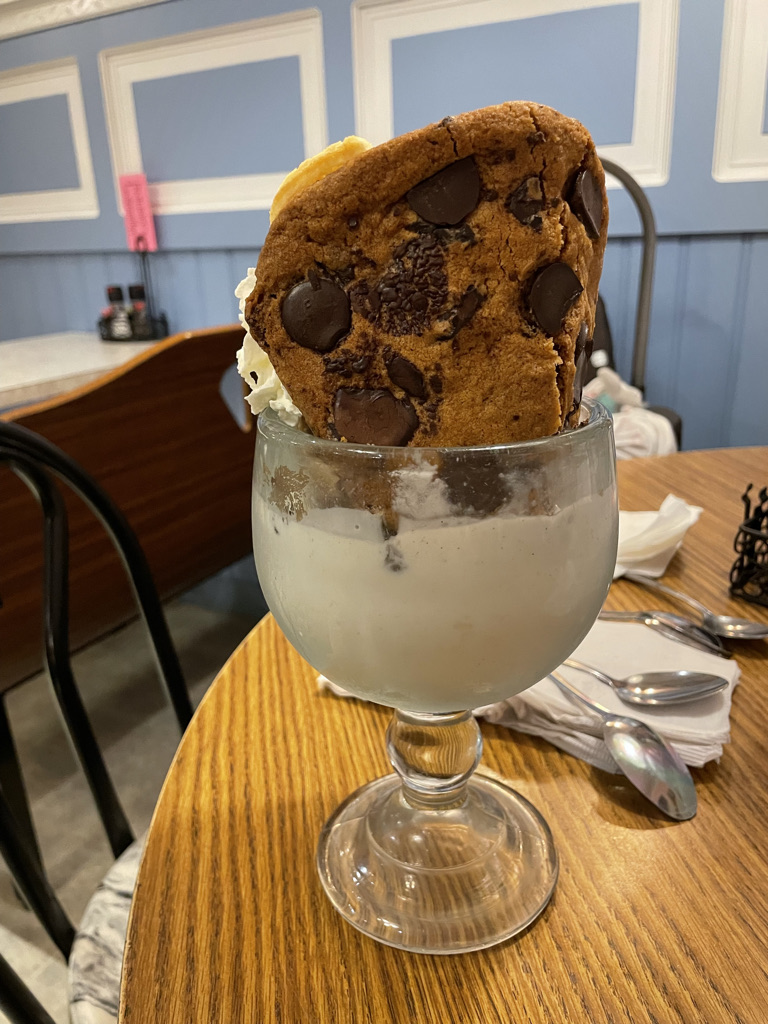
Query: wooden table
x,y
652,922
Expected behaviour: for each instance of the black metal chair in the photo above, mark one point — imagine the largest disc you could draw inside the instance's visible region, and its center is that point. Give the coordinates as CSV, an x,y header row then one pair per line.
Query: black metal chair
x,y
41,465
603,341
17,1002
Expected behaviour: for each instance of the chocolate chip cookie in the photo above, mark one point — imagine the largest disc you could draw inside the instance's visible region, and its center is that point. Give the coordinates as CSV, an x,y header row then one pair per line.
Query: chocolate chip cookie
x,y
440,289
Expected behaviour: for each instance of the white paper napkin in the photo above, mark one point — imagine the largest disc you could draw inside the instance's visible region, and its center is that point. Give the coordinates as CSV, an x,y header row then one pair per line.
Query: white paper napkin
x,y
697,730
648,540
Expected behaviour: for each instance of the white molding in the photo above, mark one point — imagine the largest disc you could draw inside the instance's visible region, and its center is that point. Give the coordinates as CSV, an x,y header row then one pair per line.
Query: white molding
x,y
35,81
298,34
741,148
22,17
376,23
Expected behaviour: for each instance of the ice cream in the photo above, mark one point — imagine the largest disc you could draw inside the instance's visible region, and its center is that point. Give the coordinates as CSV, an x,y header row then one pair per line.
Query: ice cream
x,y
450,613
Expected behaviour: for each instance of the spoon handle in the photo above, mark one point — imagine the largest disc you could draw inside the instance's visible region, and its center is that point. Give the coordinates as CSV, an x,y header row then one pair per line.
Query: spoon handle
x,y
610,616
581,667
692,635
653,584
567,687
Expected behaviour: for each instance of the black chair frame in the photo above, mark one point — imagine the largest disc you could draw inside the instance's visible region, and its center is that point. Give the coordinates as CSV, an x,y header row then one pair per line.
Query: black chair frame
x,y
647,266
17,1002
40,464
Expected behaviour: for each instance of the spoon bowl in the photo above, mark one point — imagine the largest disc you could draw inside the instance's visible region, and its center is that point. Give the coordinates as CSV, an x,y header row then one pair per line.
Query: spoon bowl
x,y
735,629
657,688
728,626
647,760
651,766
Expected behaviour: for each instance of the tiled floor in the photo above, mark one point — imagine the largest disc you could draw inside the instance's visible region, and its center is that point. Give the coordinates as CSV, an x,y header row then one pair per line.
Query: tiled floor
x,y
138,735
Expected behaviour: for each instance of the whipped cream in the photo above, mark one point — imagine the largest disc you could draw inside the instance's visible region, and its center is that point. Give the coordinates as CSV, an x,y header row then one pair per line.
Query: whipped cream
x,y
266,387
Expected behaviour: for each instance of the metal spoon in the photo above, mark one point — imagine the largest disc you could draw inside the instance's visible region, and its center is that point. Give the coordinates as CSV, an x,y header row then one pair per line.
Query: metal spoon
x,y
657,688
722,625
673,626
646,759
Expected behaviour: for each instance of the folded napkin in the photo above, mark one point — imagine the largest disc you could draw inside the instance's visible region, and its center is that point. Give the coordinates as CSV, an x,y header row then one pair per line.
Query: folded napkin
x,y
648,540
697,730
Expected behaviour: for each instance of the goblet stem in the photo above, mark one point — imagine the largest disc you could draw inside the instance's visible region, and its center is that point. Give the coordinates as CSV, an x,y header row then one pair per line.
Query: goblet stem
x,y
434,755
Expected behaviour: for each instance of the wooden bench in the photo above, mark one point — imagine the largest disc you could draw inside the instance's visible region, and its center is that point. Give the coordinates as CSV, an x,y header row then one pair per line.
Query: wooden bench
x,y
157,435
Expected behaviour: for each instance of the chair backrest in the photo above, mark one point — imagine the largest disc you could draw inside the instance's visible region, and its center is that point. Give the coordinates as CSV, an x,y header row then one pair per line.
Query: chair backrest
x,y
40,465
158,437
16,1000
648,262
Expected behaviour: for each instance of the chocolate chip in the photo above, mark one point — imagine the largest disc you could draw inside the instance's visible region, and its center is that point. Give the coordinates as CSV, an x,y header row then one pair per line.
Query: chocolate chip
x,y
448,196
470,302
578,379
345,275
555,289
410,293
405,375
583,342
460,233
316,313
346,363
436,383
535,138
476,484
394,558
527,202
352,223
586,201
365,416
390,523
457,318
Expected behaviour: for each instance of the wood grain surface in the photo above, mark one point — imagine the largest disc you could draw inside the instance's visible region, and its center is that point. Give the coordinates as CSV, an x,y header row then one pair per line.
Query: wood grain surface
x,y
652,922
155,433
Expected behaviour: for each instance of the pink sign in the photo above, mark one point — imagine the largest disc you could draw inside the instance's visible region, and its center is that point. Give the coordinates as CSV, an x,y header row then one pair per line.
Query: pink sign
x,y
139,224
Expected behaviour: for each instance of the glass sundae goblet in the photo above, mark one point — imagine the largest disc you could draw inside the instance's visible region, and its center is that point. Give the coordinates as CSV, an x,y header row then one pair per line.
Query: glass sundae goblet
x,y
436,580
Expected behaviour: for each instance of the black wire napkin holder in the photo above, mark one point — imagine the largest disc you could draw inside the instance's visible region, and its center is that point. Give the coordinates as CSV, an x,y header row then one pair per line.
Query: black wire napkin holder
x,y
749,573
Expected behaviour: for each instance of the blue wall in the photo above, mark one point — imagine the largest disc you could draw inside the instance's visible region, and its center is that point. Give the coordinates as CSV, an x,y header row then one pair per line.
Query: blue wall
x,y
707,358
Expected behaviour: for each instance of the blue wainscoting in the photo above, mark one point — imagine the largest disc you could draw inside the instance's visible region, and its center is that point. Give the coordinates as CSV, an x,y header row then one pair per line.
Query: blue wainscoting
x,y
707,353
707,356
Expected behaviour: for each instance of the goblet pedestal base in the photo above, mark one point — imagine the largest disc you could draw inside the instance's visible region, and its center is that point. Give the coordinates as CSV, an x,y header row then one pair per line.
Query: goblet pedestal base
x,y
435,876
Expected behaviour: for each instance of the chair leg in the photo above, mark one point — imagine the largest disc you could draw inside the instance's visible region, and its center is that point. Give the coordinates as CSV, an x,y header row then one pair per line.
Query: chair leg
x,y
33,882
16,1000
12,786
